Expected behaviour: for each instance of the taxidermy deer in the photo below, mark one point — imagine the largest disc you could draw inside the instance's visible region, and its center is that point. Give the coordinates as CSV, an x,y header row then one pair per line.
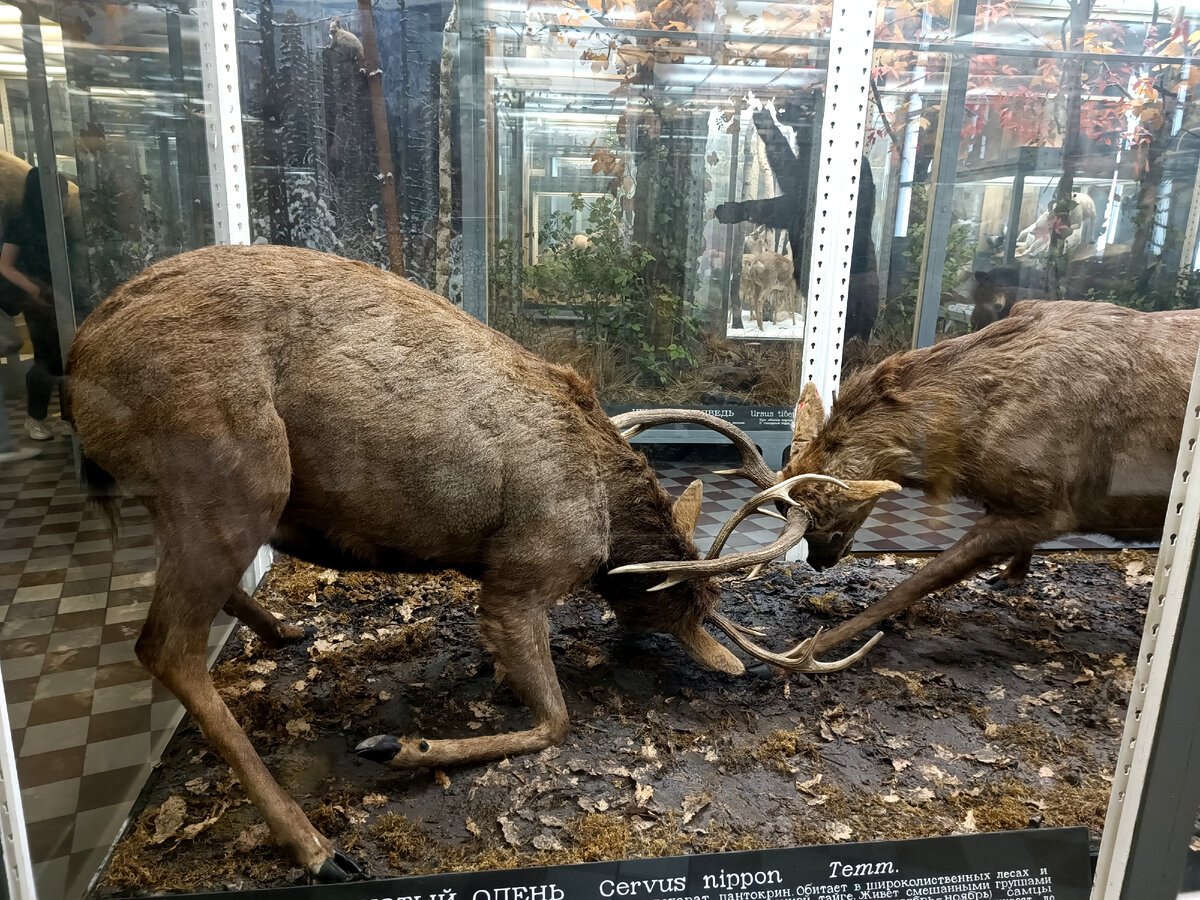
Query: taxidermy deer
x,y
768,276
1063,417
251,395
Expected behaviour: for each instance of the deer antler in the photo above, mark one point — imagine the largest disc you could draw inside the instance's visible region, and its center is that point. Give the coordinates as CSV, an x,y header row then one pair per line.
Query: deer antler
x,y
799,659
753,467
793,532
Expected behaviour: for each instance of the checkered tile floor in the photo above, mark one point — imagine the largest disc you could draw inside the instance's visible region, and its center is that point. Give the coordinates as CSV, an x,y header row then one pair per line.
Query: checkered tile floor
x,y
87,721
901,523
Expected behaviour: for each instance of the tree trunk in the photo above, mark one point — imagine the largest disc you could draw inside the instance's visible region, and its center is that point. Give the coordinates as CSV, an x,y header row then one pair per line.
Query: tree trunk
x,y
445,185
272,117
383,139
1059,255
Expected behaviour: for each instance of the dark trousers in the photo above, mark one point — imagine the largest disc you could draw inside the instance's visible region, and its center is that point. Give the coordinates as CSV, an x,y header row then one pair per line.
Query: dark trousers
x,y
43,376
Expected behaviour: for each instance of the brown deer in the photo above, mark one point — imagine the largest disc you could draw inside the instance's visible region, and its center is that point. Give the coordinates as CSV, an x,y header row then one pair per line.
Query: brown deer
x,y
768,276
1063,417
251,395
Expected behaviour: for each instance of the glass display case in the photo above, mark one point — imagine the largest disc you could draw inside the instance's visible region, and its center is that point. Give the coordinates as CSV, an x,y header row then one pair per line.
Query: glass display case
x,y
650,193
1045,150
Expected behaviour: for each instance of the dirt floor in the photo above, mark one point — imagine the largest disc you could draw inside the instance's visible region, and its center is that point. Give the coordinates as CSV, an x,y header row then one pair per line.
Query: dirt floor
x,y
984,710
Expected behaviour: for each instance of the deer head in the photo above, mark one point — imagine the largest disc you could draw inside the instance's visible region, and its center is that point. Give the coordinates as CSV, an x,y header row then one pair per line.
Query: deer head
x,y
836,513
696,574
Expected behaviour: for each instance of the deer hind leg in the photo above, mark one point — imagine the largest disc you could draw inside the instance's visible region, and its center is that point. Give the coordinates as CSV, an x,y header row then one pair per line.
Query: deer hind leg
x,y
1016,570
989,540
270,630
516,630
210,519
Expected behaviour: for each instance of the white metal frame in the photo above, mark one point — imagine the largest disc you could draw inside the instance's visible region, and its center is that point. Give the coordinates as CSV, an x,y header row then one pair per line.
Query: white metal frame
x,y
226,156
223,126
1156,657
18,862
851,45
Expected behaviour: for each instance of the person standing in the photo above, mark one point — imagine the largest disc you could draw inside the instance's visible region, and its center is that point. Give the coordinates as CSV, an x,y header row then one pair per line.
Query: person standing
x,y
25,262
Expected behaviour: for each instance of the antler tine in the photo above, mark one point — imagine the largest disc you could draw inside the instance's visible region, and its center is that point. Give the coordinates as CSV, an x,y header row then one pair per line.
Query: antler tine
x,y
776,492
753,468
799,659
675,571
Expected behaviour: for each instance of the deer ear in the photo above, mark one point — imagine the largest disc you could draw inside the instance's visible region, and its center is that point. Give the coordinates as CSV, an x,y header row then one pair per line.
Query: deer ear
x,y
810,416
686,510
862,491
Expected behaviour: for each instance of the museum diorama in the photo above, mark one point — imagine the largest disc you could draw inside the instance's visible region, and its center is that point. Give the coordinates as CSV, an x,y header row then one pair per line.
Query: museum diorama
x,y
677,427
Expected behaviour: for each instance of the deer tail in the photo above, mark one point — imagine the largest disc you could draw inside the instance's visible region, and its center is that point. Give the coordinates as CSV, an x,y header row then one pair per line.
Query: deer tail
x,y
102,492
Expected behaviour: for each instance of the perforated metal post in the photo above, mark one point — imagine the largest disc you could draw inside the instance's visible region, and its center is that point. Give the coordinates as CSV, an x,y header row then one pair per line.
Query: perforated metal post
x,y
18,864
226,156
223,121
939,214
851,43
1191,234
1156,785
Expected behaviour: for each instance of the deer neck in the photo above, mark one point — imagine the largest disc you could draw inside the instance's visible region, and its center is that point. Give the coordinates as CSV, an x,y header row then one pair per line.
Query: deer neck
x,y
641,527
917,448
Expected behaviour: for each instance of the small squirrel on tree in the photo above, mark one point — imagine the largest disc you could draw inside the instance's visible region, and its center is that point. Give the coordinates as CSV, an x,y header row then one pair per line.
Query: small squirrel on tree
x,y
345,44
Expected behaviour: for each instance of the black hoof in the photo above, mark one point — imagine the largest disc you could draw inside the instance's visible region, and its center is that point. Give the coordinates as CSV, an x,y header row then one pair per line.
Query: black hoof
x,y
760,670
382,748
999,583
340,867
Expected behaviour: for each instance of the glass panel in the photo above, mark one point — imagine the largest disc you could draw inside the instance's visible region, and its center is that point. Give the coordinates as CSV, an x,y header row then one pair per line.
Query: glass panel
x,y
652,174
583,153
313,147
122,96
1066,161
132,110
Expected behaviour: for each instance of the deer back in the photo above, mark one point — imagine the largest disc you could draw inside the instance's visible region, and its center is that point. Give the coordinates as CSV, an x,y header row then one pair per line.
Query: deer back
x,y
414,432
1069,410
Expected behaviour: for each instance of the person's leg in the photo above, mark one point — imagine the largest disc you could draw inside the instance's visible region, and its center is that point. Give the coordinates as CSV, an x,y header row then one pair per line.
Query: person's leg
x,y
39,387
8,451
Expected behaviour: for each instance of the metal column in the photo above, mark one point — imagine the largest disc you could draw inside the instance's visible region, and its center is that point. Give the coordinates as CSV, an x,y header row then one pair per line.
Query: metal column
x,y
223,121
941,183
472,141
226,156
52,200
1156,785
848,80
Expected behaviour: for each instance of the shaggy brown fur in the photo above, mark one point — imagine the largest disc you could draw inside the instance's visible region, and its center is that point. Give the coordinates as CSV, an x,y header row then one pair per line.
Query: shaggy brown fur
x,y
348,417
1063,417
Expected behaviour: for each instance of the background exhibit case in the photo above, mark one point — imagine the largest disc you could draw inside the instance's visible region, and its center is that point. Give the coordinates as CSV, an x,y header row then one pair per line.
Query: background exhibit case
x,y
624,187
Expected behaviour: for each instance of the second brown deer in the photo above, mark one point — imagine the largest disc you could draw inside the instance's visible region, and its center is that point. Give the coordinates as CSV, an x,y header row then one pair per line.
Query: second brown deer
x,y
1063,417
251,395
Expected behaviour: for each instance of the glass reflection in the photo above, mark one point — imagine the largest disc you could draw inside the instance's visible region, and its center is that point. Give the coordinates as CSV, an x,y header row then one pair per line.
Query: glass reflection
x,y
1071,169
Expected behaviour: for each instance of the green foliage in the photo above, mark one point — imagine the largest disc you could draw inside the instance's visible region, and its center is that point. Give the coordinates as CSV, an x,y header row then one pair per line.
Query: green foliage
x,y
607,282
1155,294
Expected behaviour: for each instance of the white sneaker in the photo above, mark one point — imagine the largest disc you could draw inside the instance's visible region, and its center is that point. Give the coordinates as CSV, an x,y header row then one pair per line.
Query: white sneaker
x,y
59,428
38,429
24,453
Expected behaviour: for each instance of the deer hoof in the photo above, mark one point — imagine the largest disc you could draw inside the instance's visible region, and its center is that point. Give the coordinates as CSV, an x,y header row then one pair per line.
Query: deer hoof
x,y
340,867
1001,582
382,748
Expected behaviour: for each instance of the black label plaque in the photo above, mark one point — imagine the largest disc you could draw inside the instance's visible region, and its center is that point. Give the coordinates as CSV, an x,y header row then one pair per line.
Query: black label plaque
x,y
1038,864
748,418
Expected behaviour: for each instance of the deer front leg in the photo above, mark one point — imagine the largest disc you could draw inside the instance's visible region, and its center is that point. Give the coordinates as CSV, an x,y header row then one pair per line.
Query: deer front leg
x,y
272,631
516,631
989,540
